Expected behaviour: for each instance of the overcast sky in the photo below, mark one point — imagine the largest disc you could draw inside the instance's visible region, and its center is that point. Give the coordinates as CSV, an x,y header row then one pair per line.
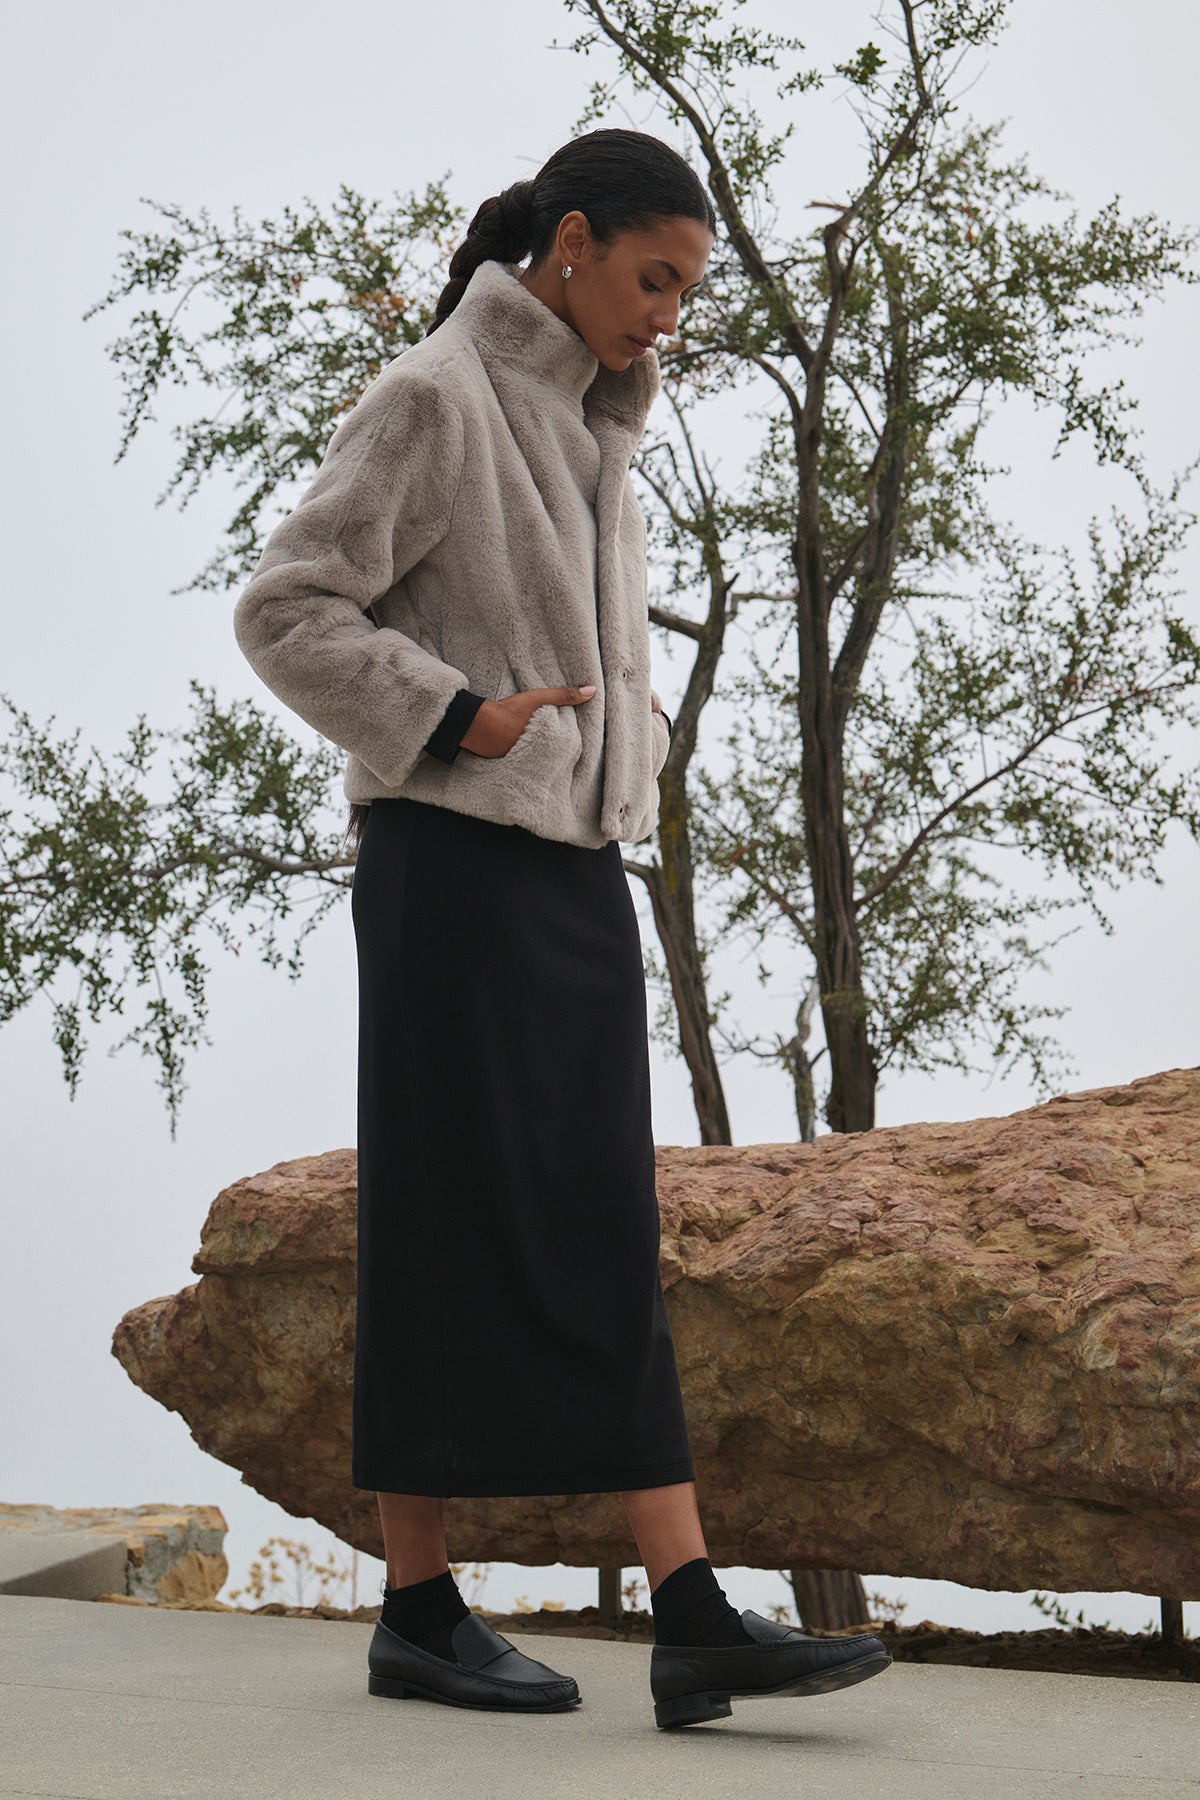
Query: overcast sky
x,y
259,105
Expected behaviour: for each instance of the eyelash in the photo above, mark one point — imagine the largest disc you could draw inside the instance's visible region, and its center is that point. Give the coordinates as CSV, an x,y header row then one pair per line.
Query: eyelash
x,y
651,289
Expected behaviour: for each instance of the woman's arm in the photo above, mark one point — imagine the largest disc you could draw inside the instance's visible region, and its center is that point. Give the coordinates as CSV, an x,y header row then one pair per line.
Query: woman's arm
x,y
380,501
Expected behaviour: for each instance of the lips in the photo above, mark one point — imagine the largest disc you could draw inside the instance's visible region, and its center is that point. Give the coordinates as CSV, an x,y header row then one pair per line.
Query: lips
x,y
640,344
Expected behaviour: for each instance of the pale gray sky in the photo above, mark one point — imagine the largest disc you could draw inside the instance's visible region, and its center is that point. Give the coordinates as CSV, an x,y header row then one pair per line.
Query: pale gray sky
x,y
261,104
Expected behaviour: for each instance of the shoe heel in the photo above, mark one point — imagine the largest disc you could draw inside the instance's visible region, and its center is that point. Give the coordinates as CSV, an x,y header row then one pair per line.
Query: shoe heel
x,y
691,1709
394,1690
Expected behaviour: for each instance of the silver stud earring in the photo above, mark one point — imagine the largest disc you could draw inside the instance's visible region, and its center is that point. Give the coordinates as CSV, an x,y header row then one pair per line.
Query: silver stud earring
x,y
567,272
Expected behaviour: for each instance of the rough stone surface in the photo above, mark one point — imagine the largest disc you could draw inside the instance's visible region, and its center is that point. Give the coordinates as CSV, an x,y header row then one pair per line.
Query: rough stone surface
x,y
965,1351
172,1553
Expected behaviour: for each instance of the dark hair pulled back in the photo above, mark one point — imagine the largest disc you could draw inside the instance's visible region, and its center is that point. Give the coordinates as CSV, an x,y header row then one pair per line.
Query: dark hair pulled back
x,y
620,180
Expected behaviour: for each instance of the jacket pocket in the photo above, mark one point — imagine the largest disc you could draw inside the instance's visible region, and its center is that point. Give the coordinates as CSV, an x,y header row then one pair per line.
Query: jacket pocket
x,y
549,746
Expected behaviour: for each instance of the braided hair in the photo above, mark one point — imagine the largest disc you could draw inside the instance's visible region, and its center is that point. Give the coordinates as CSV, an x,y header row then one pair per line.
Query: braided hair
x,y
620,180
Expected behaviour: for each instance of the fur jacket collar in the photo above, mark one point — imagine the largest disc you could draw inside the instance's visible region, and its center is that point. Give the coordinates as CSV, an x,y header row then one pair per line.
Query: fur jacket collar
x,y
478,500
512,329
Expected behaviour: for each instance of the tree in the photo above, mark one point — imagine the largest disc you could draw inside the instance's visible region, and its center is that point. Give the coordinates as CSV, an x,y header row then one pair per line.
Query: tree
x,y
917,700
103,883
919,695
115,870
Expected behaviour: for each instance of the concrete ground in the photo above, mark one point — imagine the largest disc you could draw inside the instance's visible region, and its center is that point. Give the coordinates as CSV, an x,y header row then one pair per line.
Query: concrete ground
x,y
110,1702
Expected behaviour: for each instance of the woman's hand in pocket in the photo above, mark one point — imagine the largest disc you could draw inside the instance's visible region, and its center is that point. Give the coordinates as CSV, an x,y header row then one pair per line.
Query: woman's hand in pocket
x,y
499,723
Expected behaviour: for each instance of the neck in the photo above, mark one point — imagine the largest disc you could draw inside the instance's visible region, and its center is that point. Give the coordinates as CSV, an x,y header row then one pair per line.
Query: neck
x,y
551,290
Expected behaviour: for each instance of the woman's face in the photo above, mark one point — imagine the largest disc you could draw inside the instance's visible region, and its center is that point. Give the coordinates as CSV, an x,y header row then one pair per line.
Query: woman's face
x,y
622,295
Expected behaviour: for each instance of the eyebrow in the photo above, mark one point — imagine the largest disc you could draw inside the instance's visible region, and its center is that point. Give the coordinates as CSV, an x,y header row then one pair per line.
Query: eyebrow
x,y
673,272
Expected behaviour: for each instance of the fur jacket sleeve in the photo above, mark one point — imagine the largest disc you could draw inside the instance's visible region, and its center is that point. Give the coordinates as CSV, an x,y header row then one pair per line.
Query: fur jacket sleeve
x,y
382,499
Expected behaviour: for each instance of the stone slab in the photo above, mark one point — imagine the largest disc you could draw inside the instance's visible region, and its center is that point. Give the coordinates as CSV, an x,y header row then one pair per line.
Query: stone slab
x,y
69,1565
168,1552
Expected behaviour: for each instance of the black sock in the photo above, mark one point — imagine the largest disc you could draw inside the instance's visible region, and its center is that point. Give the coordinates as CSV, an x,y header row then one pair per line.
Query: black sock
x,y
690,1607
425,1612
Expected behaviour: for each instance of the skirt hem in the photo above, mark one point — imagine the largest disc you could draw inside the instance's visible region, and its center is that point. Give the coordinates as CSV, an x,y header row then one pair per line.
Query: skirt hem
x,y
521,1484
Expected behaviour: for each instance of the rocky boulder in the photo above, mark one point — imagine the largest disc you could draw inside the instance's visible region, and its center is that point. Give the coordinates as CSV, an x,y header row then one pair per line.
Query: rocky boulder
x,y
967,1351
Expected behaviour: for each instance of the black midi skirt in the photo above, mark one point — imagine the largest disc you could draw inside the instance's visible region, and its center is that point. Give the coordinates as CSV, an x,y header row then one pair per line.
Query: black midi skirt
x,y
511,1334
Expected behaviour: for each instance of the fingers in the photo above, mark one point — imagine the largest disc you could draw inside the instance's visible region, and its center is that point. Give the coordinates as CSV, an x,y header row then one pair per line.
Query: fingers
x,y
556,696
570,696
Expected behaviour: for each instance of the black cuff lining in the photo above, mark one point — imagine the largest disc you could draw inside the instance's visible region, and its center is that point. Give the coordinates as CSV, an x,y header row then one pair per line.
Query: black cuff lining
x,y
445,741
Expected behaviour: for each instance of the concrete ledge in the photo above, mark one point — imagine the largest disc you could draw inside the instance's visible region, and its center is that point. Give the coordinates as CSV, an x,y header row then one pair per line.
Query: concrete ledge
x,y
66,1565
153,1553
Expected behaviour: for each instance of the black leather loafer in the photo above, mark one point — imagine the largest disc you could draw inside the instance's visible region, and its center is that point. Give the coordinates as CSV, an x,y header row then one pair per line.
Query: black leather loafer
x,y
693,1683
488,1672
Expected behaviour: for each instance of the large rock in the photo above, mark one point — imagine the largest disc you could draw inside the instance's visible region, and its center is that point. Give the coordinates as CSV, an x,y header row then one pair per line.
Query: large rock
x,y
969,1351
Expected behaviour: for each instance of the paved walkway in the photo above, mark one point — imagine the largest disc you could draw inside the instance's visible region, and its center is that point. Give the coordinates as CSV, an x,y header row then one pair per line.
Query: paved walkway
x,y
105,1702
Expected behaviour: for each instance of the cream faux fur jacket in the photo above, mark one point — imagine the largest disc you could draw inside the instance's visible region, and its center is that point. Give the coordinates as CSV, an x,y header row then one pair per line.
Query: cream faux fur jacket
x,y
478,499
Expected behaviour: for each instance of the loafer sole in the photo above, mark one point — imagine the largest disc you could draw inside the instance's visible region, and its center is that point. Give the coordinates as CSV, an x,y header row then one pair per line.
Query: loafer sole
x,y
393,1688
714,1703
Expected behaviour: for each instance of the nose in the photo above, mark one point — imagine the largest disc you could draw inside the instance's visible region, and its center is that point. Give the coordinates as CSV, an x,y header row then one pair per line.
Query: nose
x,y
665,318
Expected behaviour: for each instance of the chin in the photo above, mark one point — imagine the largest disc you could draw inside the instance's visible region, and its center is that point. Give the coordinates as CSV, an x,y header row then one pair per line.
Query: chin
x,y
619,360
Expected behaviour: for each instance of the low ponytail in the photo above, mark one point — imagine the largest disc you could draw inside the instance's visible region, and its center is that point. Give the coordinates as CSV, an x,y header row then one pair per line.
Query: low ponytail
x,y
501,231
620,180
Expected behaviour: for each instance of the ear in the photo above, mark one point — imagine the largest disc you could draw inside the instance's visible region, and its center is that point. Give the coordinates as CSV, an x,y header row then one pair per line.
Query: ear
x,y
574,237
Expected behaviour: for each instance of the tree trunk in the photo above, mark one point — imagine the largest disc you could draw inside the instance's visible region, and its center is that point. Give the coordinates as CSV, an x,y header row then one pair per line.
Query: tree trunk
x,y
610,1608
830,1599
1172,1623
851,1105
797,1059
671,896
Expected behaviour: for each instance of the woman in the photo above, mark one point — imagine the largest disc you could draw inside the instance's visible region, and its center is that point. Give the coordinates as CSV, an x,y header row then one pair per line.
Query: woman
x,y
503,741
